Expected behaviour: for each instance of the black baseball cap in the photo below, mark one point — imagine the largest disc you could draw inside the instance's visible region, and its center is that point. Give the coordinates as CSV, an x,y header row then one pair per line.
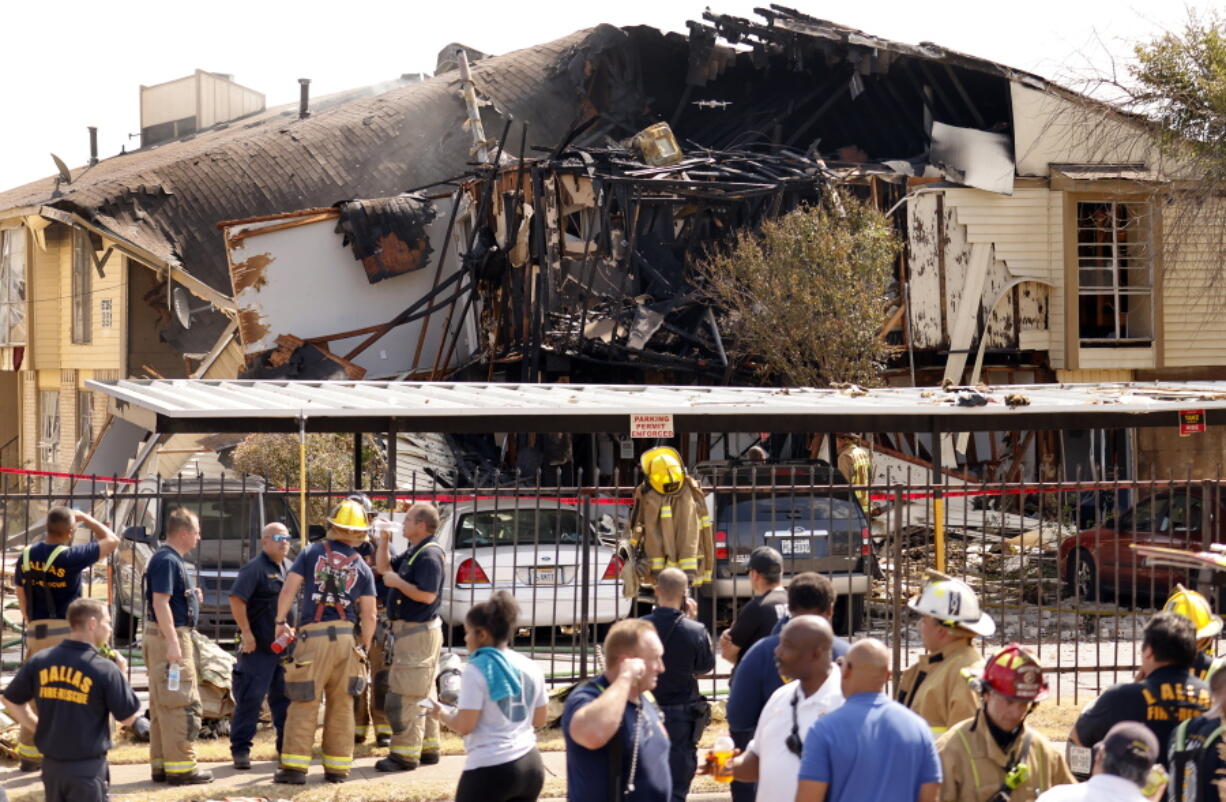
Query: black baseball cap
x,y
1132,743
766,561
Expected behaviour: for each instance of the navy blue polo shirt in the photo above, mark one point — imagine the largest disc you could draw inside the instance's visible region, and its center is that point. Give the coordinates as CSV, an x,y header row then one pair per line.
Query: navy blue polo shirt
x,y
423,566
757,677
332,581
259,584
76,690
51,590
687,653
587,770
167,573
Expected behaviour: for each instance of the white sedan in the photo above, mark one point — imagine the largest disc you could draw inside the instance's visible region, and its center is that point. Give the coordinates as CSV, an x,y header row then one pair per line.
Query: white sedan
x,y
533,548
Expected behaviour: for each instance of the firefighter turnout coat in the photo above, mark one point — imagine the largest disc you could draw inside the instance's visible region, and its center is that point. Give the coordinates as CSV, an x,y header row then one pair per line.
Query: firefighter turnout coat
x,y
936,688
973,766
674,530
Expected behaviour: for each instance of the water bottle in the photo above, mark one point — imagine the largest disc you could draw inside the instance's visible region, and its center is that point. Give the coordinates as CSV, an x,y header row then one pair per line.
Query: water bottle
x,y
172,678
450,669
282,642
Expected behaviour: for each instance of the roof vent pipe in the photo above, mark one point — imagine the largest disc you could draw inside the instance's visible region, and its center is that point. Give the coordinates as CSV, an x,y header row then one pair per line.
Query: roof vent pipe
x,y
93,145
304,98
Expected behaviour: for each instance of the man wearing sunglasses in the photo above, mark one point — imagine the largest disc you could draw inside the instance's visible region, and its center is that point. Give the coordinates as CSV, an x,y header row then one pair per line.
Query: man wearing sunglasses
x,y
772,759
258,672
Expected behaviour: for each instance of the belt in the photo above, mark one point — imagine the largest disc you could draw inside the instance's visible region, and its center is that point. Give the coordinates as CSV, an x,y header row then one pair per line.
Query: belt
x,y
403,629
331,630
49,630
153,630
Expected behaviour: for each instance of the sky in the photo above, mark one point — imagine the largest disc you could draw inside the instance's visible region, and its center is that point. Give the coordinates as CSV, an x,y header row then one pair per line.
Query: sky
x,y
72,64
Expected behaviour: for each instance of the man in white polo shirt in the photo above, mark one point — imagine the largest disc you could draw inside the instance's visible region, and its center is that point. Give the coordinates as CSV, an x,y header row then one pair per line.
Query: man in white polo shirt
x,y
772,758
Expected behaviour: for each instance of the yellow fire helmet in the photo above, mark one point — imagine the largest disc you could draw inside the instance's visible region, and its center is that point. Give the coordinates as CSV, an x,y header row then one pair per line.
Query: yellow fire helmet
x,y
349,515
664,470
1194,607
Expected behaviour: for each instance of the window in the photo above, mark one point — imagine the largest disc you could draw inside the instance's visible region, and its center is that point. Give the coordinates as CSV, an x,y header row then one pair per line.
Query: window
x,y
1115,275
518,527
13,286
82,273
49,429
104,307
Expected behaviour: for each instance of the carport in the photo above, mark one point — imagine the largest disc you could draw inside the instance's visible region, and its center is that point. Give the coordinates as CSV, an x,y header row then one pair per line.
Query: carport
x,y
198,406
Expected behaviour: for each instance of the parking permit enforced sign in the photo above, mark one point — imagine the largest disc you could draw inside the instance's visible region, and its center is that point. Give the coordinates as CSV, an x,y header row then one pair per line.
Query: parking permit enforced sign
x,y
1191,421
647,426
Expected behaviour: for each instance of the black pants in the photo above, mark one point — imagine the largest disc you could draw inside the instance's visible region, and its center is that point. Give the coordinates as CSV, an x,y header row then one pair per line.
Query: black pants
x,y
255,676
75,780
680,721
518,781
743,792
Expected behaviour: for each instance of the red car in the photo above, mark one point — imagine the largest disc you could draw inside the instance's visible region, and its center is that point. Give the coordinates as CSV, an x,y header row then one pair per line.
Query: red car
x,y
1098,563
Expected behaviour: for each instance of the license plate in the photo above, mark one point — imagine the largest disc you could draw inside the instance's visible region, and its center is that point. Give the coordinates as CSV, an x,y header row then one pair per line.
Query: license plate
x,y
795,546
545,576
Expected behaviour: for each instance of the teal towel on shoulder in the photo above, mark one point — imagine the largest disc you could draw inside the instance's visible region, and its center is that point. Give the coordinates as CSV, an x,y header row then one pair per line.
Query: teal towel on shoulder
x,y
502,678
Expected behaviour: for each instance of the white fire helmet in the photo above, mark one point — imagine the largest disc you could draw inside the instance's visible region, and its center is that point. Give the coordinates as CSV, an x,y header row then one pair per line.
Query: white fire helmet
x,y
952,602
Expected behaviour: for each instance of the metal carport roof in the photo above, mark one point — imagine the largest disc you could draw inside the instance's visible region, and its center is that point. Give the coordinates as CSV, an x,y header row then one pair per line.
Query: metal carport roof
x,y
200,406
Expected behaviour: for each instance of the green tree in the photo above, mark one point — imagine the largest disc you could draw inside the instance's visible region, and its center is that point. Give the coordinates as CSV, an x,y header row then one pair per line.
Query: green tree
x,y
804,299
329,464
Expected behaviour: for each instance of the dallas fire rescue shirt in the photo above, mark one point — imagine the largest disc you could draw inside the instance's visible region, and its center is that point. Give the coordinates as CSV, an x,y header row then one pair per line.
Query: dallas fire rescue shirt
x,y
50,589
334,577
1161,701
167,573
422,566
76,689
259,584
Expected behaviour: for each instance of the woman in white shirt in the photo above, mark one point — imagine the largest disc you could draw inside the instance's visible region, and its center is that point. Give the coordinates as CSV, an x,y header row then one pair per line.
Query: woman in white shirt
x,y
502,702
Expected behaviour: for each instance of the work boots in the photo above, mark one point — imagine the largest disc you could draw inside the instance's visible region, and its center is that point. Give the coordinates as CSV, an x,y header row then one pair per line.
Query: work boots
x,y
242,761
289,777
193,777
393,763
429,758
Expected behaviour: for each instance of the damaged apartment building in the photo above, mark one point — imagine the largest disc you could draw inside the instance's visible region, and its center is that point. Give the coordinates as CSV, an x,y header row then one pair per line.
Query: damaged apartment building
x,y
367,236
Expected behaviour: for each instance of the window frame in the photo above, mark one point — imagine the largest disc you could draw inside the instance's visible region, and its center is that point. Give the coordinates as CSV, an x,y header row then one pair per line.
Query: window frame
x,y
49,430
1116,263
12,240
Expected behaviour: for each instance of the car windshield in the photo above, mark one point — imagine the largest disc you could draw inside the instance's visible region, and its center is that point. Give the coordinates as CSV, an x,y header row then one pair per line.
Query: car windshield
x,y
518,527
765,511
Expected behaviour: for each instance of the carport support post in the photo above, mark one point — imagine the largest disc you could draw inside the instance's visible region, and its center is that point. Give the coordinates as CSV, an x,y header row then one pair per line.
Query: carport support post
x,y
938,501
390,478
302,482
357,460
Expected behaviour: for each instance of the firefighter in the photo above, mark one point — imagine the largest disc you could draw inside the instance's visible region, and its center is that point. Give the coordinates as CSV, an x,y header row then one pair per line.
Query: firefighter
x,y
1195,607
48,579
328,660
415,591
669,522
856,465
950,618
995,756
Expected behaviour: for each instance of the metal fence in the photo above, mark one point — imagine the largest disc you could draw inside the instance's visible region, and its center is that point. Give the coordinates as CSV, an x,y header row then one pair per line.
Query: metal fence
x,y
1052,562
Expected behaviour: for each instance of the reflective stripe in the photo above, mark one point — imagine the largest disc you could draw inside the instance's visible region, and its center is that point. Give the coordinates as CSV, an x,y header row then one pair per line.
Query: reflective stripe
x,y
335,762
969,754
296,761
706,520
666,511
180,766
429,743
657,563
156,763
407,751
938,730
383,729
28,750
361,729
689,563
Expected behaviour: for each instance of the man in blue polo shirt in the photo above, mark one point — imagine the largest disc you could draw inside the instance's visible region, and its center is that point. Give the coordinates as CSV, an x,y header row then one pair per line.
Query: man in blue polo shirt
x,y
172,607
872,747
77,690
258,673
616,744
48,578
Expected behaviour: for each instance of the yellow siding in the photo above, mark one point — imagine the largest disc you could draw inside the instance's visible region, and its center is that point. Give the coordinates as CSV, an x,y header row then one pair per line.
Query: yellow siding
x,y
44,306
106,349
1093,376
1193,286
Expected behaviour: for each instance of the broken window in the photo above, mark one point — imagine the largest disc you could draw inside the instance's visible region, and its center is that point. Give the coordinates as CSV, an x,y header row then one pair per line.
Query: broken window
x,y
13,286
48,429
82,266
1115,274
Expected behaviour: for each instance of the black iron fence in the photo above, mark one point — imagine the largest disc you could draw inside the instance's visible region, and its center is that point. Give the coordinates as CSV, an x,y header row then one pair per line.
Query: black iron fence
x,y
1053,563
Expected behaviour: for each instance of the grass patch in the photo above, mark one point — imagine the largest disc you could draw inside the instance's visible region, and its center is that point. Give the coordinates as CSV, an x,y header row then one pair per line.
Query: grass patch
x,y
1055,720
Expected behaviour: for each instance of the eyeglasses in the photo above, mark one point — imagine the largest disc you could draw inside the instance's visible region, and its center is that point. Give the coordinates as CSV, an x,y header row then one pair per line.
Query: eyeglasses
x,y
281,538
794,743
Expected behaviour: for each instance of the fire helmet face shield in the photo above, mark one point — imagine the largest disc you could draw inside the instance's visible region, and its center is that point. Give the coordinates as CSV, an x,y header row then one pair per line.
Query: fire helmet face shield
x,y
664,470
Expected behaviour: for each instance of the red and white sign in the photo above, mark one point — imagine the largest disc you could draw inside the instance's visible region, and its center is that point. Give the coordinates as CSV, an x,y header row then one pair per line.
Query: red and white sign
x,y
646,426
1191,421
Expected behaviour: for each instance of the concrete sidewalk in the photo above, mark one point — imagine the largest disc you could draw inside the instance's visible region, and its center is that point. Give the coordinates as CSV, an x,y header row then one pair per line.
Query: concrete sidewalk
x,y
130,781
